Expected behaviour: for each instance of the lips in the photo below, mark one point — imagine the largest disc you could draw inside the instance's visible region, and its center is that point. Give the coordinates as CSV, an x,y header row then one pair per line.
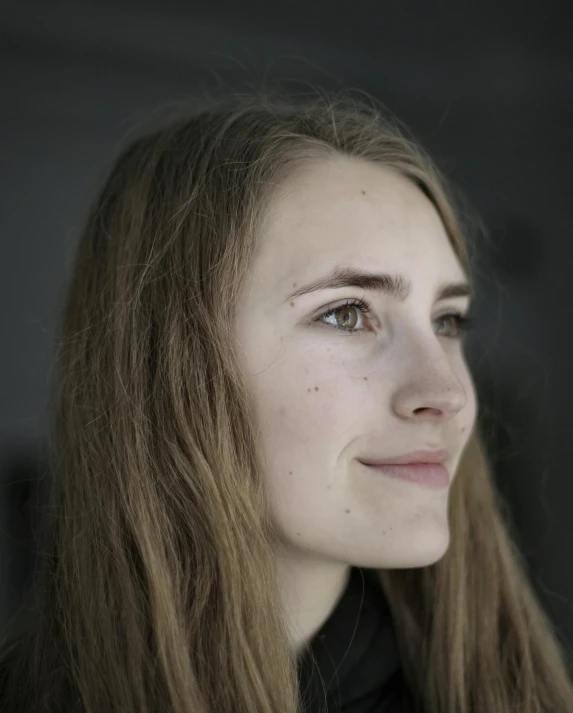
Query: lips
x,y
427,457
431,474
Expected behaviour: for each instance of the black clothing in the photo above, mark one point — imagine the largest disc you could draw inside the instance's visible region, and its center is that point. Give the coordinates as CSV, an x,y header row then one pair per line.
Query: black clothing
x,y
356,655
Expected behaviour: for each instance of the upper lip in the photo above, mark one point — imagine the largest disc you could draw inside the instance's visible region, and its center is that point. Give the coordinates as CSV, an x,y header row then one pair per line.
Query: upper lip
x,y
412,457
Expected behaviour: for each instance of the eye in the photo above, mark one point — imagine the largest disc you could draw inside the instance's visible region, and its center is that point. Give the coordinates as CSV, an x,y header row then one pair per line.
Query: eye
x,y
461,323
345,311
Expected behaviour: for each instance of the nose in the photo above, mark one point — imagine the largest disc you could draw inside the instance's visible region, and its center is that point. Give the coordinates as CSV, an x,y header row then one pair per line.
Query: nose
x,y
433,391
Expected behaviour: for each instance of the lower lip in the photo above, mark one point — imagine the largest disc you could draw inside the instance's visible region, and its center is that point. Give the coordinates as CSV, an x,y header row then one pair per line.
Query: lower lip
x,y
432,474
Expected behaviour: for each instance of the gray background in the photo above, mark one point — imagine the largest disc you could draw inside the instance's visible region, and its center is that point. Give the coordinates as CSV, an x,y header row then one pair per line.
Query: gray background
x,y
488,91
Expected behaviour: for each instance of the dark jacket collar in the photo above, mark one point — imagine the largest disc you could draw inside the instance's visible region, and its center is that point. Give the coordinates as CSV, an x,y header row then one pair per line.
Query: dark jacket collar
x,y
352,664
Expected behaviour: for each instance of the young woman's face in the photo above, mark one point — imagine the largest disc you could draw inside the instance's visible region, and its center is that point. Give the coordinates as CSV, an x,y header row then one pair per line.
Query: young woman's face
x,y
347,386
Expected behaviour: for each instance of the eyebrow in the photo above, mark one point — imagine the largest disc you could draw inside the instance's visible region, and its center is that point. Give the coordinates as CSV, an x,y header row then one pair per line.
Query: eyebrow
x,y
397,286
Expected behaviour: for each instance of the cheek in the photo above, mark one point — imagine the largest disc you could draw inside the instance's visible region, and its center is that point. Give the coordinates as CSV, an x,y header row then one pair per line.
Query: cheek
x,y
310,407
297,418
306,416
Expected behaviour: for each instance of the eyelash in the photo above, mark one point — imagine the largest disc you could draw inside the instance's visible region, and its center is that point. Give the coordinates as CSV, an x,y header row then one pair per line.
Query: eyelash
x,y
464,323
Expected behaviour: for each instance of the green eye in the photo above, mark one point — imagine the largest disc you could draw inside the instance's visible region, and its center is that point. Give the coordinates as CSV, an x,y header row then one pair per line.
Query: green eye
x,y
364,307
462,323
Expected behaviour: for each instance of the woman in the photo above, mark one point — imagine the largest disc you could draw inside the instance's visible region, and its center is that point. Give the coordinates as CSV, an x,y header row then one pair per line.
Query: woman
x,y
268,299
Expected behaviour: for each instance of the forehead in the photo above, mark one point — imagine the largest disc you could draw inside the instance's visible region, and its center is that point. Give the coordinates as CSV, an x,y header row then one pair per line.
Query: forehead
x,y
353,211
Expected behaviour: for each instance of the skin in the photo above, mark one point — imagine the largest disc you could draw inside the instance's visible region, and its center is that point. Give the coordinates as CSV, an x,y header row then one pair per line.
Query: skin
x,y
326,398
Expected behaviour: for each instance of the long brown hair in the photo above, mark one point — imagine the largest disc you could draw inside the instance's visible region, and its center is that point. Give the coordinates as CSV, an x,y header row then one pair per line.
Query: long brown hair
x,y
157,589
